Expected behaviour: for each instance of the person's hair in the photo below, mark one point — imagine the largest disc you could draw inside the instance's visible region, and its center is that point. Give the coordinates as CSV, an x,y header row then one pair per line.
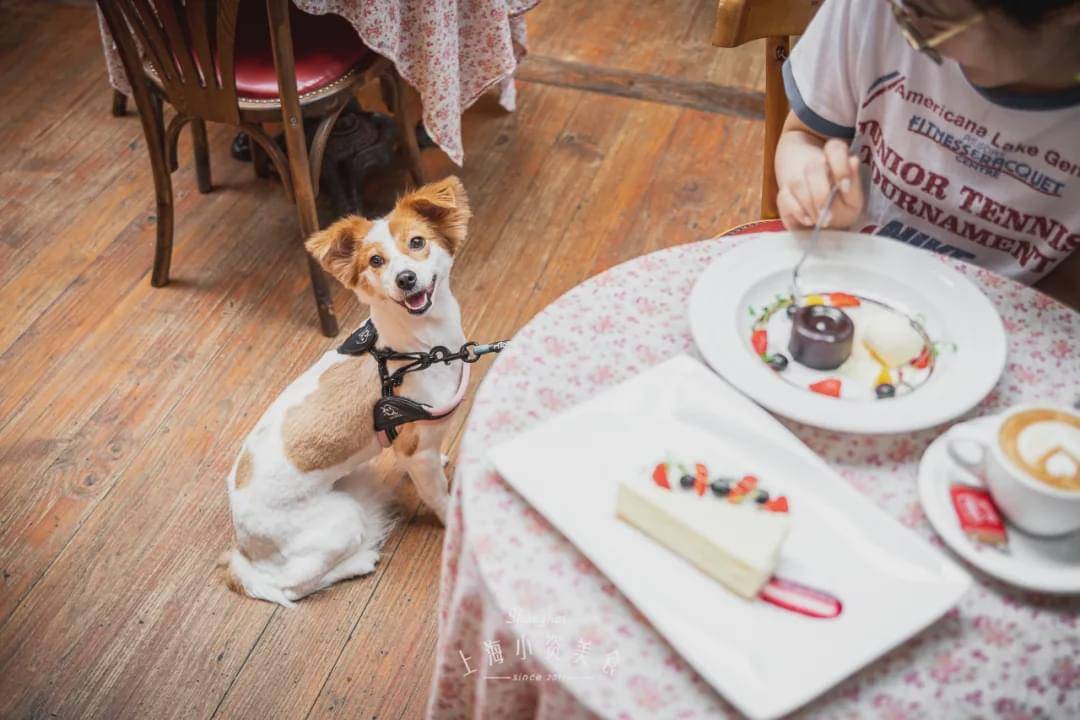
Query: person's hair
x,y
1029,13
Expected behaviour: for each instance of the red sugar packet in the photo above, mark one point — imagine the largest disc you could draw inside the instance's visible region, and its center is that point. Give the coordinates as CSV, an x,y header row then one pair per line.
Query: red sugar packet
x,y
979,517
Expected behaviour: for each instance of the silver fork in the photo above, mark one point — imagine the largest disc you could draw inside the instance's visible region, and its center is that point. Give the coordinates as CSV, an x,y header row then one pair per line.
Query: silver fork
x,y
823,217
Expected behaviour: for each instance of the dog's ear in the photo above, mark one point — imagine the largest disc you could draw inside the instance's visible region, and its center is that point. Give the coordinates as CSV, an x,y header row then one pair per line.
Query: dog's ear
x,y
335,248
445,205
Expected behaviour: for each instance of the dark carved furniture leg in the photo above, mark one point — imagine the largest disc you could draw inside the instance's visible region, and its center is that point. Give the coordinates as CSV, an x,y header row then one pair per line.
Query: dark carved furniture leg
x,y
119,103
155,145
299,167
260,161
202,155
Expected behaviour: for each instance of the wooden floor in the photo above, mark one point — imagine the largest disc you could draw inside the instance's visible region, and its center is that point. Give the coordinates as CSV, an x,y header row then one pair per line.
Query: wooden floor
x,y
122,406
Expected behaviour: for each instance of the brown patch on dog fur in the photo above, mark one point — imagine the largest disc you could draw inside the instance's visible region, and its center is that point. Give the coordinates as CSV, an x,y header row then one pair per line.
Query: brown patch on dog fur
x,y
407,442
244,469
336,248
443,206
335,422
231,581
407,224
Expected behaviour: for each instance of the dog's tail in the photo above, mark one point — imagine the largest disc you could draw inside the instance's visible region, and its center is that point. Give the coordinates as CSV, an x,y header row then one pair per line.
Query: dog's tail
x,y
244,579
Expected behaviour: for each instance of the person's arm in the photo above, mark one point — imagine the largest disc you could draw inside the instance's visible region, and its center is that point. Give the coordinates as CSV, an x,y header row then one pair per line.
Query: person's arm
x,y
807,166
1063,282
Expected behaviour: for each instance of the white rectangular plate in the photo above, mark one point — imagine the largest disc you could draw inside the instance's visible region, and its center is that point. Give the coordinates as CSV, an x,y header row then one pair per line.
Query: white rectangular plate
x,y
765,660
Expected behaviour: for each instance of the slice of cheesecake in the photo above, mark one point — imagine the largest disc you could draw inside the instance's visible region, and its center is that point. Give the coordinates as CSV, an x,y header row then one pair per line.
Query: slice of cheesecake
x,y
737,544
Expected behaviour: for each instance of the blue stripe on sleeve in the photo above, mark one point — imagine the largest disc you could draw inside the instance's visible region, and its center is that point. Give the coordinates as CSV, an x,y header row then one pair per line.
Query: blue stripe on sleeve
x,y
811,119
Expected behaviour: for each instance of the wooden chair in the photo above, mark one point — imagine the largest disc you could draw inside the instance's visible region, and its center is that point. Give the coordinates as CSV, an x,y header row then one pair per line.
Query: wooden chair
x,y
742,21
211,61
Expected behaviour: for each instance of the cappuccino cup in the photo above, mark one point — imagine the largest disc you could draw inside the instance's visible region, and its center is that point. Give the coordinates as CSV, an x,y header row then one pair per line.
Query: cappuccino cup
x,y
1031,461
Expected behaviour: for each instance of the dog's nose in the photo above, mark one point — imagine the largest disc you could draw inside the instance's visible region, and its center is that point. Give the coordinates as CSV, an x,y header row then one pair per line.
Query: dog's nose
x,y
406,280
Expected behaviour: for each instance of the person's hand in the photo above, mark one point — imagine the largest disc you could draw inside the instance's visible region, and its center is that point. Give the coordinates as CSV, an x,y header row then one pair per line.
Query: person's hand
x,y
805,182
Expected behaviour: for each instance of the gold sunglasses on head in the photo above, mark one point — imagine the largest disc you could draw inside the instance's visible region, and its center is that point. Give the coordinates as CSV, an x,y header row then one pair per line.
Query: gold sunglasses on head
x,y
907,17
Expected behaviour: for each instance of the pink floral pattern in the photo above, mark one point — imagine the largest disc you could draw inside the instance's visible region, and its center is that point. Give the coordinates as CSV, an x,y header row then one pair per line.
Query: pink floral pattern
x,y
508,575
451,51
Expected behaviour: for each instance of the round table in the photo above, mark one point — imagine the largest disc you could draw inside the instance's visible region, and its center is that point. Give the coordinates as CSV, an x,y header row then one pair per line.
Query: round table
x,y
529,628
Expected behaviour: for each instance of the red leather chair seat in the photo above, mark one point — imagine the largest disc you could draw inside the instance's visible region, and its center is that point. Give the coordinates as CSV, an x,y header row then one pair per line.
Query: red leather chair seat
x,y
326,47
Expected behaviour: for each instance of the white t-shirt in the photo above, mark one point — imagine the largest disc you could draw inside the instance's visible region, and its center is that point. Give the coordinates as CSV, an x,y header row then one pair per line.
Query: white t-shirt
x,y
974,173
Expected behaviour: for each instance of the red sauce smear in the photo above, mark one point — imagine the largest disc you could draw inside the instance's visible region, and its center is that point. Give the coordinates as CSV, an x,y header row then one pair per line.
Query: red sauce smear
x,y
801,599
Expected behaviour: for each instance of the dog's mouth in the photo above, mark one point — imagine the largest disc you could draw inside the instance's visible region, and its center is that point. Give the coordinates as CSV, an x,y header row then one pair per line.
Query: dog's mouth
x,y
417,303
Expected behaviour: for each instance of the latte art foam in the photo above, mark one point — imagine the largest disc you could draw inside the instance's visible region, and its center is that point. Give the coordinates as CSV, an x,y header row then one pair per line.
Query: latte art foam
x,y
1046,445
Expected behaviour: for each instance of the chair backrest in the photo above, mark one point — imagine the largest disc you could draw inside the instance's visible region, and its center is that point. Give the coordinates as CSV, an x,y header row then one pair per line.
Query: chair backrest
x,y
741,21
189,45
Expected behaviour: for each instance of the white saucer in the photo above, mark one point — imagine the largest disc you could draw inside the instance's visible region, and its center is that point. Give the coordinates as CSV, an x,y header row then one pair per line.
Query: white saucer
x,y
1050,565
917,283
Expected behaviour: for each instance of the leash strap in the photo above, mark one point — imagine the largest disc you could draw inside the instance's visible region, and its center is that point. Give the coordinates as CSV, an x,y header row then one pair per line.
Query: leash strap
x,y
392,411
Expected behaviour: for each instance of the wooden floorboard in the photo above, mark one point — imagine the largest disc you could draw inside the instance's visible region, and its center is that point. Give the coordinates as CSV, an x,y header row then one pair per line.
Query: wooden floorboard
x,y
122,406
705,96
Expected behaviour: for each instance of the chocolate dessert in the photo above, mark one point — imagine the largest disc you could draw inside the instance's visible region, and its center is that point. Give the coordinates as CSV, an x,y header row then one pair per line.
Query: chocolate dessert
x,y
821,337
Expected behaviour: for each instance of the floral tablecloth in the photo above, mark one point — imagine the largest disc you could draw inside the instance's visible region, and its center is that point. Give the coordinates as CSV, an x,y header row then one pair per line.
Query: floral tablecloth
x,y
529,628
451,51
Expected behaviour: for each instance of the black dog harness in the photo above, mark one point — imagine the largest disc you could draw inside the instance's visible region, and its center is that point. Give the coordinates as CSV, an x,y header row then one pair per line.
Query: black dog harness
x,y
392,411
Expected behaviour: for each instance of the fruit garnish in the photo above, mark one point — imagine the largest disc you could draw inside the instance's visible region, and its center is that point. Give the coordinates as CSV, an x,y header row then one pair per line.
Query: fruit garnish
x,y
814,300
884,377
686,482
701,479
720,488
746,484
736,496
761,497
778,504
923,359
885,390
777,362
659,476
842,300
830,387
759,341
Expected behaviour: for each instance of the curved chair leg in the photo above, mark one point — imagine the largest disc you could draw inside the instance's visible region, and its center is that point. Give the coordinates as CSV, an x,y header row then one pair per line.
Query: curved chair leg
x,y
202,155
119,103
155,145
318,147
407,115
260,161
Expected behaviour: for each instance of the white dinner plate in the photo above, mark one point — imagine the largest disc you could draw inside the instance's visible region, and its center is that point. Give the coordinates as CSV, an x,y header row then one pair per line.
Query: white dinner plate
x,y
1050,565
765,660
959,321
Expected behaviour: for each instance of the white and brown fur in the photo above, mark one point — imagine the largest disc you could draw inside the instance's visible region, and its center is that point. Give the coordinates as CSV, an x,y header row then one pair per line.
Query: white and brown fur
x,y
304,513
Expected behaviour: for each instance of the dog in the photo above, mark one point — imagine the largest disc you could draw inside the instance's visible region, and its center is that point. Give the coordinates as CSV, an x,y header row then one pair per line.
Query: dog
x,y
304,516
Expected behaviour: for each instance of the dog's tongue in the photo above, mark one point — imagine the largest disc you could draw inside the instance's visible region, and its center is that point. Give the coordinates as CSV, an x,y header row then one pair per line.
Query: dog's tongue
x,y
416,300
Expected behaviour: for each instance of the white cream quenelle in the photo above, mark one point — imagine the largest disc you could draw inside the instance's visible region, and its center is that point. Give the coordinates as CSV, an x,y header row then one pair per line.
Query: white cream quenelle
x,y
892,338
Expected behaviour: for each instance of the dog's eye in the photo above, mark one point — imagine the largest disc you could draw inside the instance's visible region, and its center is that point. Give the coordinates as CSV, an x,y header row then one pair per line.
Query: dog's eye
x,y
376,261
416,243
